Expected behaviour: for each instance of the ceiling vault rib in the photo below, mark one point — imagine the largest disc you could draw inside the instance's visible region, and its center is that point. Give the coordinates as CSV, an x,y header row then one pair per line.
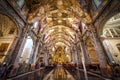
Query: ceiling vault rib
x,y
58,21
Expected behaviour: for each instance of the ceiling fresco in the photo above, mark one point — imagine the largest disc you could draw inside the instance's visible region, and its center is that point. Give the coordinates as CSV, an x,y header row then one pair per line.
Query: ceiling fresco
x,y
58,21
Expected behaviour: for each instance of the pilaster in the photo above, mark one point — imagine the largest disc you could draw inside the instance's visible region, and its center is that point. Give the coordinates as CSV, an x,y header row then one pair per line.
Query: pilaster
x,y
100,51
18,45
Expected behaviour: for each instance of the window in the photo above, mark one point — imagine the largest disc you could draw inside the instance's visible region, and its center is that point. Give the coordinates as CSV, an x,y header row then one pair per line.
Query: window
x,y
97,3
27,50
20,3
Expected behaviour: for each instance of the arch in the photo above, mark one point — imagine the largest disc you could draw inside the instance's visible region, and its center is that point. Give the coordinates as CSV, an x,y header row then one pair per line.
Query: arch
x,y
110,15
109,23
10,17
56,35
62,33
61,26
8,37
111,36
61,40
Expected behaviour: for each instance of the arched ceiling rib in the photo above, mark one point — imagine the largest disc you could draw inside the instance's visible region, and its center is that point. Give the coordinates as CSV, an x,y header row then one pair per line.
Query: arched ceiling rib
x,y
56,41
71,29
63,33
59,36
58,20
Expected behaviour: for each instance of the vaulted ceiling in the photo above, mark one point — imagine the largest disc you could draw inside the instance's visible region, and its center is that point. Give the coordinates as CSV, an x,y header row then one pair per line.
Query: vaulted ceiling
x,y
59,21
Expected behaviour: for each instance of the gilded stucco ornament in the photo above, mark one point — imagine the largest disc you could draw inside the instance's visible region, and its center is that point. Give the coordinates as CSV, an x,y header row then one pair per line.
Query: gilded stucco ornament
x,y
60,17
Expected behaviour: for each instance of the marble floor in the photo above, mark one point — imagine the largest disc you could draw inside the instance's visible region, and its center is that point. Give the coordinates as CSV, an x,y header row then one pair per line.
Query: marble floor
x,y
59,73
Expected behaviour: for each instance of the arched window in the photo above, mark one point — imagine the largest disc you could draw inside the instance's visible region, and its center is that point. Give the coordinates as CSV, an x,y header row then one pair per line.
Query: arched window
x,y
27,50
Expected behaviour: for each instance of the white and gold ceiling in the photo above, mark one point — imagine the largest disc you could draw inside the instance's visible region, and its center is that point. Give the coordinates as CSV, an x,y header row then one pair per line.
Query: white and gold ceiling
x,y
58,21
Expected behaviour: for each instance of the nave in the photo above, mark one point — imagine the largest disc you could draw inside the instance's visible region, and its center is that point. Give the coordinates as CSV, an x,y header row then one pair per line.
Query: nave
x,y
60,72
60,39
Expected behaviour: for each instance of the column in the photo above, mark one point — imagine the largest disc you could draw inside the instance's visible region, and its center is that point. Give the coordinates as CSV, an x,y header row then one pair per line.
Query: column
x,y
84,58
100,51
75,55
46,59
21,49
45,56
84,52
40,51
14,53
72,55
79,76
78,55
35,53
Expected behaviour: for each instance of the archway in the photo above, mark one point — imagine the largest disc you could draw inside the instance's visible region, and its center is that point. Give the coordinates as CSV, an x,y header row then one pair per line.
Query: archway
x,y
111,38
8,37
